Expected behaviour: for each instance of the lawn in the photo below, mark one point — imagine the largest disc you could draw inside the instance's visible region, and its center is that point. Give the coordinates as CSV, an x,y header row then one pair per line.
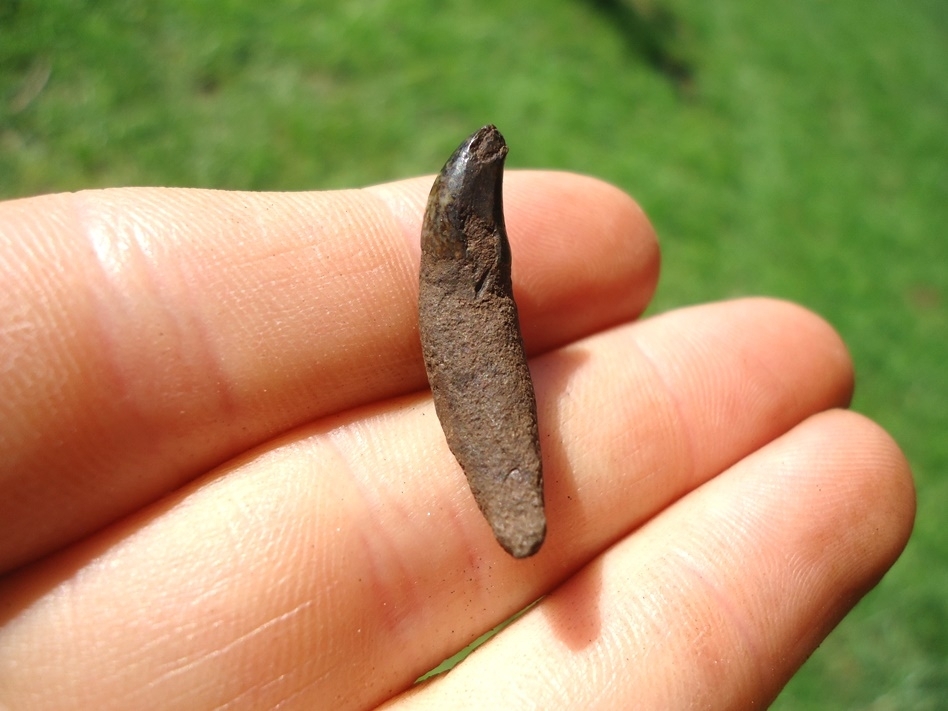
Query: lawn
x,y
794,149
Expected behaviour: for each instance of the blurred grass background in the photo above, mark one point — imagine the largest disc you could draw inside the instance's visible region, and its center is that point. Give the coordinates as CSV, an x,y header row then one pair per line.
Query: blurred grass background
x,y
794,149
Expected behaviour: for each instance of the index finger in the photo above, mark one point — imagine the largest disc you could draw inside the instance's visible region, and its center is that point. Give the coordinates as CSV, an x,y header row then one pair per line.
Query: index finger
x,y
151,334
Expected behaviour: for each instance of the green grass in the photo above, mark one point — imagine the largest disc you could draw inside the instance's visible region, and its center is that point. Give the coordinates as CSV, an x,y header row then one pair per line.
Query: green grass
x,y
795,149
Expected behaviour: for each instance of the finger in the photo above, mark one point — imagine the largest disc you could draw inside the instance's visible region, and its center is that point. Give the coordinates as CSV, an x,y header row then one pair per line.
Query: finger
x,y
352,554
153,333
720,599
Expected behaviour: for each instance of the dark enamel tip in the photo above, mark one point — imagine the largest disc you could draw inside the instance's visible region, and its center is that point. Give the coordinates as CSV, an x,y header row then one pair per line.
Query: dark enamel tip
x,y
474,175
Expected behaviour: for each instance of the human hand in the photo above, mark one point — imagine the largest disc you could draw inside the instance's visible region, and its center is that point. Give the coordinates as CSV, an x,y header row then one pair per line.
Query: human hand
x,y
223,482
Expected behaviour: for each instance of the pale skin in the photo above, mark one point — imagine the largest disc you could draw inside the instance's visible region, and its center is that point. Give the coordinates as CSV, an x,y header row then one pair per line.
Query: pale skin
x,y
223,483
